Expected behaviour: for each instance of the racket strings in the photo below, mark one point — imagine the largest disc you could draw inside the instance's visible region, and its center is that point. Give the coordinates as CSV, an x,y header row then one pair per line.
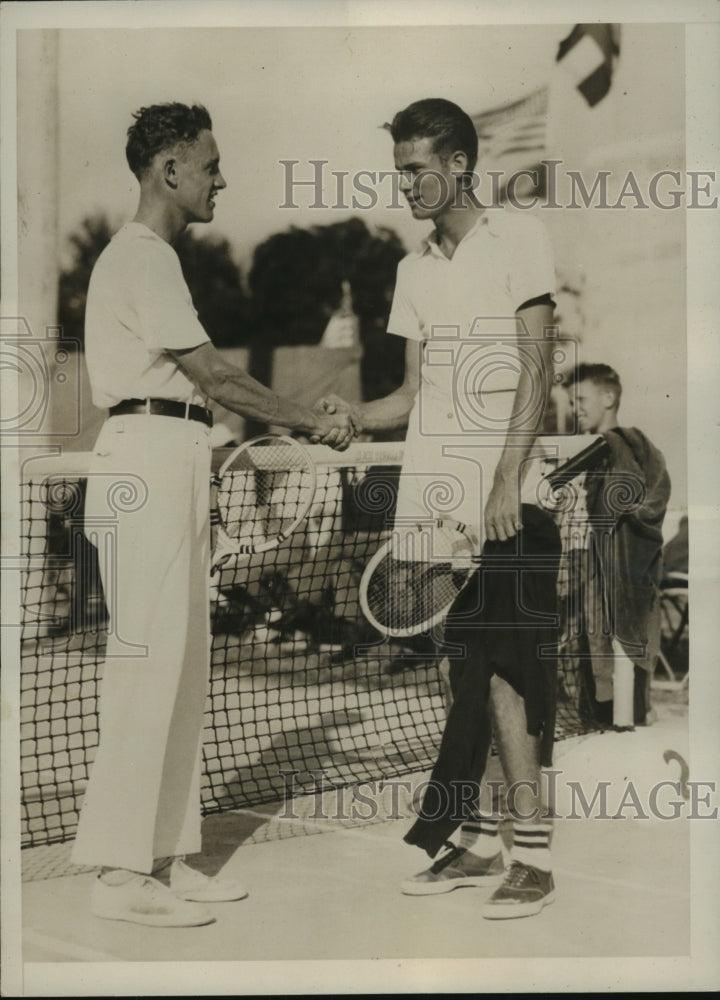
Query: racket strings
x,y
265,492
263,501
412,583
405,595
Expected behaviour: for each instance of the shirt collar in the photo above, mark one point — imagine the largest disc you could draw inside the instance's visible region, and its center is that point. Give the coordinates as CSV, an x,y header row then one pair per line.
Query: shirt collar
x,y
430,243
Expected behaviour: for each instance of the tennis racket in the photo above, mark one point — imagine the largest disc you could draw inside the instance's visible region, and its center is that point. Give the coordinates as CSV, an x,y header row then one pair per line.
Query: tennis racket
x,y
261,494
412,581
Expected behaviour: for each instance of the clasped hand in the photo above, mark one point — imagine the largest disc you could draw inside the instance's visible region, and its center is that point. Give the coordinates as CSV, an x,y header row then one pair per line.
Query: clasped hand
x,y
336,423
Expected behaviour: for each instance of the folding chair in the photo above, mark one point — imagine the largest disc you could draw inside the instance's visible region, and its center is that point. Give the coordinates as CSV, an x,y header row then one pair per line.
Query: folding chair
x,y
674,610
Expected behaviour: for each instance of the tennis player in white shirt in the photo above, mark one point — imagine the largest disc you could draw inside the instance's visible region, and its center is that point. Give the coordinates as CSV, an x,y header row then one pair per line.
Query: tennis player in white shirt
x,y
475,306
153,366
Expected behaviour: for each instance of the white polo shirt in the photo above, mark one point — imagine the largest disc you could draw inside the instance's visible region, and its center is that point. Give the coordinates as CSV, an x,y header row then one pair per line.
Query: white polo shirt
x,y
138,309
463,311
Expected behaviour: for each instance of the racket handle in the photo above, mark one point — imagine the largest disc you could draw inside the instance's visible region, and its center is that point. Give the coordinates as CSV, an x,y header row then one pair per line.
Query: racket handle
x,y
220,550
215,482
588,458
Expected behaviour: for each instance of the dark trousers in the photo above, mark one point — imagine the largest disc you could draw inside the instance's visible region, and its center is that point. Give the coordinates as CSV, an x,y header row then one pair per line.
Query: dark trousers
x,y
504,622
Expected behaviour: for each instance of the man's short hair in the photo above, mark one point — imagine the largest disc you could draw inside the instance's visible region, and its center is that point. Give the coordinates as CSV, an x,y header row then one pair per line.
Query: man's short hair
x,y
444,122
160,127
598,374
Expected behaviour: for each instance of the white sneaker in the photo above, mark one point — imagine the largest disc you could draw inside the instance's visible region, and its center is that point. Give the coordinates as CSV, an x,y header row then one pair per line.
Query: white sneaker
x,y
143,900
187,883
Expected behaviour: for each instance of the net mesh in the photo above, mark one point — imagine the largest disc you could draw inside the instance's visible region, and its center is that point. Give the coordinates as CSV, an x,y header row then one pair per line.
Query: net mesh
x,y
303,692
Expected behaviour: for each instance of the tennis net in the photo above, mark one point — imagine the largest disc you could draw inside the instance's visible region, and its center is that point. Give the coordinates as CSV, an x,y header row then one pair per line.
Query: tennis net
x,y
304,695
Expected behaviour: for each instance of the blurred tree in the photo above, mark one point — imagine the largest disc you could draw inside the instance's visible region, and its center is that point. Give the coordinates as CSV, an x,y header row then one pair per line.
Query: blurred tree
x,y
216,286
213,277
296,284
85,245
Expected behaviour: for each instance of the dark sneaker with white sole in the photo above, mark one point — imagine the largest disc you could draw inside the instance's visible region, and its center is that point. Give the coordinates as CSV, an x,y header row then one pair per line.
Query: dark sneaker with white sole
x,y
525,891
455,869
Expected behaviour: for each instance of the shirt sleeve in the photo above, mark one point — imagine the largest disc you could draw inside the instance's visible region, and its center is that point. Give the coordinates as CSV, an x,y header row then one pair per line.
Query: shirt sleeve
x,y
168,319
532,269
403,320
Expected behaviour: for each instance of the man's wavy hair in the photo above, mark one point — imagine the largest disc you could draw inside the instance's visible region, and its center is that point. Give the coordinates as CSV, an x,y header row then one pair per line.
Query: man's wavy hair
x,y
445,123
160,127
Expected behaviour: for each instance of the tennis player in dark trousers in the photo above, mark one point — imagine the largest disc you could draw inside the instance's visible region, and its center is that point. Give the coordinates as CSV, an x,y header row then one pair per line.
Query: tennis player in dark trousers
x,y
475,304
152,365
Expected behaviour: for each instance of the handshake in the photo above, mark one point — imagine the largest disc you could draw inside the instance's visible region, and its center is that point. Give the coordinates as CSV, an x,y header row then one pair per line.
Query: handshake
x,y
335,423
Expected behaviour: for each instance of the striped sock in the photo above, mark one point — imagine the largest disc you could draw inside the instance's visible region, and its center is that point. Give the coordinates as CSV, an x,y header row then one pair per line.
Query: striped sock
x,y
480,834
531,845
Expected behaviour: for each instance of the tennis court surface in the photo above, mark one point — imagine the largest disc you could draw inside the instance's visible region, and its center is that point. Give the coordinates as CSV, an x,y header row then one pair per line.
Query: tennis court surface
x,y
324,883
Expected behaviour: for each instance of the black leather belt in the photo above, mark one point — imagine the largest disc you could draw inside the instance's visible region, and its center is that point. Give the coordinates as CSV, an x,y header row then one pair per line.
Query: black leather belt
x,y
163,408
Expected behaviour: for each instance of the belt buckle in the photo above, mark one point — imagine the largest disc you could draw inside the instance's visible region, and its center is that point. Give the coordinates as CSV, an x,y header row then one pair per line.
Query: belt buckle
x,y
187,411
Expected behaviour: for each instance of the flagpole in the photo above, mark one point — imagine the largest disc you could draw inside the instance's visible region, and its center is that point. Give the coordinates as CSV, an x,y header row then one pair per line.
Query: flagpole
x,y
38,170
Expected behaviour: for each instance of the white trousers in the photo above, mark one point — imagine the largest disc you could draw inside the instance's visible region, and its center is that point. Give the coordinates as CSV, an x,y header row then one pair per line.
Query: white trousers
x,y
147,509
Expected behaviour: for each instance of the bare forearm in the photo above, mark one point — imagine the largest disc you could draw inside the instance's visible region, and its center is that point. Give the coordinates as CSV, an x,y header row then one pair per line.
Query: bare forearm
x,y
389,413
525,422
533,391
392,411
502,516
239,392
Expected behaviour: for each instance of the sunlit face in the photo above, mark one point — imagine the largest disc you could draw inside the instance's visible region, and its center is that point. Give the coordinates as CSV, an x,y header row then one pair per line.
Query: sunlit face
x,y
198,178
592,404
427,181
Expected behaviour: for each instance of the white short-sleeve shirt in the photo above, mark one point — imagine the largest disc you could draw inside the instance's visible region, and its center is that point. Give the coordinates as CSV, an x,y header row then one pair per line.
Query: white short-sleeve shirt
x,y
138,309
463,311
